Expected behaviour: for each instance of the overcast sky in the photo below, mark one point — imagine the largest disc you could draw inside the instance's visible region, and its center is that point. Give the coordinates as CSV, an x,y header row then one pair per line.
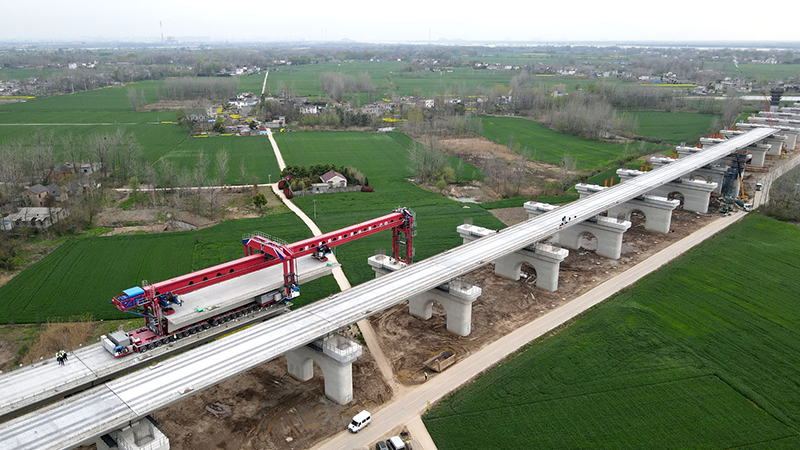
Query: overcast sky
x,y
406,20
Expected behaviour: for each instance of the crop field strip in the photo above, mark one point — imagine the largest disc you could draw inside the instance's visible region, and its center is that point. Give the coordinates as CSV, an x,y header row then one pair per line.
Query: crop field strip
x,y
549,146
672,128
721,322
255,151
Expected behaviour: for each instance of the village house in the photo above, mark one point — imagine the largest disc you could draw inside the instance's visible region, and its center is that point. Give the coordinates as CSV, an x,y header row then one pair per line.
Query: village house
x,y
308,109
334,179
38,218
58,193
37,194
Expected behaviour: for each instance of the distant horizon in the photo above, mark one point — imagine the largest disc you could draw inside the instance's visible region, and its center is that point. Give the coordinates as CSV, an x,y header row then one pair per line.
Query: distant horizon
x,y
415,21
181,41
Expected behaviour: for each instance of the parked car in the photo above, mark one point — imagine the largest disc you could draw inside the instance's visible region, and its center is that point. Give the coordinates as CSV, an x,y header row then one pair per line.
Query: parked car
x,y
380,445
359,421
395,443
759,185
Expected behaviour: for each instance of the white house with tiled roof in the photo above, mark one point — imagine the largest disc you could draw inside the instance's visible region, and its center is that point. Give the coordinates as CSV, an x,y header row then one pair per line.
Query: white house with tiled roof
x,y
334,179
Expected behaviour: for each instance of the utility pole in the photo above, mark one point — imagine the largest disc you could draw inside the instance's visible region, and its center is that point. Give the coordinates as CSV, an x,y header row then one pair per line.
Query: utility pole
x,y
315,208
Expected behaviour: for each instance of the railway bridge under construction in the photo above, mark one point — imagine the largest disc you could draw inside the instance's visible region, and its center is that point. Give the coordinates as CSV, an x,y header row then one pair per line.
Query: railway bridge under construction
x,y
121,402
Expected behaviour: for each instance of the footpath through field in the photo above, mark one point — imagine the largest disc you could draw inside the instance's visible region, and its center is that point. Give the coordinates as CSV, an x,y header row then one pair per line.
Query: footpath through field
x,y
338,274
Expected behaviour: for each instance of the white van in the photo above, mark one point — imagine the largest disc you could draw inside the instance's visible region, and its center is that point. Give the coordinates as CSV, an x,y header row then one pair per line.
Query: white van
x,y
359,421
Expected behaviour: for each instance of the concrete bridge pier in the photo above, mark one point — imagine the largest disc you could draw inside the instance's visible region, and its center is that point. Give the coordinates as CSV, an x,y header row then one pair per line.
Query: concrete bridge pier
x,y
696,193
334,355
714,173
141,435
759,152
545,259
657,210
777,142
456,297
608,231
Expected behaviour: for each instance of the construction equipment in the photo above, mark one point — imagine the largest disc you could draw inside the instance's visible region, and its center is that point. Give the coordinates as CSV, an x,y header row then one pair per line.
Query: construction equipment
x,y
155,302
734,173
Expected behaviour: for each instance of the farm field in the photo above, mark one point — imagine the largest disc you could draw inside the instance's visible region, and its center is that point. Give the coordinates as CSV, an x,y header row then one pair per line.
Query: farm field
x,y
672,128
156,140
82,275
387,165
22,74
255,151
768,71
304,79
549,146
703,353
114,99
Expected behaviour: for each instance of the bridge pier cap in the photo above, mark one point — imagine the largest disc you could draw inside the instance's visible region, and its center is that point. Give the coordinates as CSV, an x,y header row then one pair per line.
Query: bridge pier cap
x,y
606,230
545,259
455,296
657,210
696,193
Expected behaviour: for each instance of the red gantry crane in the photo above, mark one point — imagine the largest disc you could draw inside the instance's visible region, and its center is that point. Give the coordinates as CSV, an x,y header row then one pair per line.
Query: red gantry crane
x,y
157,301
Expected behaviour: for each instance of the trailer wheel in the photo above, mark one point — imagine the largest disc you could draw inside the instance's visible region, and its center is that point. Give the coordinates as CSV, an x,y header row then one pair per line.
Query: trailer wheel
x,y
206,326
165,340
215,322
191,330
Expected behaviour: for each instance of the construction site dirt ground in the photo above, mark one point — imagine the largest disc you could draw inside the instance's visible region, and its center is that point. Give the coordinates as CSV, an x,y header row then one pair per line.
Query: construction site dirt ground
x,y
505,305
266,408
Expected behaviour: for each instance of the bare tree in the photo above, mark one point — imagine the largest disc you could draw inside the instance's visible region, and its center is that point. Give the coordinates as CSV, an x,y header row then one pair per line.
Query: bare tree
x,y
243,171
731,109
566,174
132,98
100,145
73,149
222,166
428,162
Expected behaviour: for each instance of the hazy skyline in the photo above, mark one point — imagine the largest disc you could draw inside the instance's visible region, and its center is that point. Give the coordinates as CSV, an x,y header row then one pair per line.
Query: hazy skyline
x,y
413,20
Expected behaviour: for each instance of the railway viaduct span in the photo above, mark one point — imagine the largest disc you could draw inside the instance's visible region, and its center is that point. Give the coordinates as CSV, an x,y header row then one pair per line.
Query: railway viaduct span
x,y
126,400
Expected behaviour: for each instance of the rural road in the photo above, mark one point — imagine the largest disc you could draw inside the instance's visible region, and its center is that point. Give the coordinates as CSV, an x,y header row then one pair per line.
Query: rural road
x,y
341,279
407,408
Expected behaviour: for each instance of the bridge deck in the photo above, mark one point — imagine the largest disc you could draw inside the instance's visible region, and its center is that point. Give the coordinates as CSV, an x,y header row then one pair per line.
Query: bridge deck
x,y
117,403
87,366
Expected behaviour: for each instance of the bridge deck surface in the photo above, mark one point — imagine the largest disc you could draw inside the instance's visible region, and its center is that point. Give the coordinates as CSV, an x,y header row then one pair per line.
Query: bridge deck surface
x,y
86,366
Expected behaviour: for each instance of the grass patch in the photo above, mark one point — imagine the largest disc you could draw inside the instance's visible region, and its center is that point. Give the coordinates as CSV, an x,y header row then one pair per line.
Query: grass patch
x,y
549,146
518,202
255,151
672,128
707,339
601,178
